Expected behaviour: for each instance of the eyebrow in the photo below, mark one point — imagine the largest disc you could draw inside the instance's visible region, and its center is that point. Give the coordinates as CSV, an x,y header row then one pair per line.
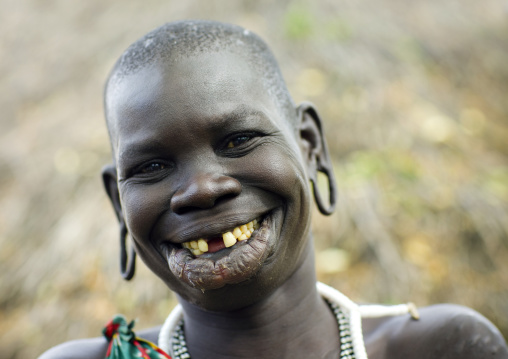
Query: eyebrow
x,y
238,116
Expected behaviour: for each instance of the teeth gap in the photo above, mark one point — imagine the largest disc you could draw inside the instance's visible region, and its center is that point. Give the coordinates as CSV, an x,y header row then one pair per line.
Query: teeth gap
x,y
230,238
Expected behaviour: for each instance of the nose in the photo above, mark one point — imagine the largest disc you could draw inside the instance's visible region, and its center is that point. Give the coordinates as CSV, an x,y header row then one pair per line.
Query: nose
x,y
204,190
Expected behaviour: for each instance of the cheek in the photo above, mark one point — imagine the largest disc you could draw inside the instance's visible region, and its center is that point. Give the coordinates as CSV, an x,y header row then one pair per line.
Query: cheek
x,y
277,169
141,206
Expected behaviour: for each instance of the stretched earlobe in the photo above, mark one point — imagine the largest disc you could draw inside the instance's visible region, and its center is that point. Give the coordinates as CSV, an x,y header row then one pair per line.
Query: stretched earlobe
x,y
315,151
127,262
332,194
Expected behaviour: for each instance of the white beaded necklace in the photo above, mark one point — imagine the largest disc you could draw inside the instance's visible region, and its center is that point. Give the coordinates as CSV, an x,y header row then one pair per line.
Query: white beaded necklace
x,y
348,314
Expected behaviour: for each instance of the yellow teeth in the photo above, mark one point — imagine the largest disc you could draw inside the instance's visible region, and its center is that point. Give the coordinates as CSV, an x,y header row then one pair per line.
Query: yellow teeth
x,y
196,252
203,245
237,232
230,238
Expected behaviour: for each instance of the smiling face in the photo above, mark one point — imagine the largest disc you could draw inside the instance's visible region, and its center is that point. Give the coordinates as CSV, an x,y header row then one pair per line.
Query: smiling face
x,y
201,148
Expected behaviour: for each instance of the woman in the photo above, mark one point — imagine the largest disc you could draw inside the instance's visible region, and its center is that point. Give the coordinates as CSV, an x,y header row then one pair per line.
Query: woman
x,y
211,178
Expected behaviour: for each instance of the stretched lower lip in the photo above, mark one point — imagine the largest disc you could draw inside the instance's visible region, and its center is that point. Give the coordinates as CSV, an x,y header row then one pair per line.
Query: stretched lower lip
x,y
236,265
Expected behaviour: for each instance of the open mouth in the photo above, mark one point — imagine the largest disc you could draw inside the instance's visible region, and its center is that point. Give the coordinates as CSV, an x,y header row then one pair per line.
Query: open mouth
x,y
227,239
227,258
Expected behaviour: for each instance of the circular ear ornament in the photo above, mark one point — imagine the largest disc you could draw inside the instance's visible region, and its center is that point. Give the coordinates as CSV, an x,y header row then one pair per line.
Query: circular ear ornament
x,y
332,189
127,266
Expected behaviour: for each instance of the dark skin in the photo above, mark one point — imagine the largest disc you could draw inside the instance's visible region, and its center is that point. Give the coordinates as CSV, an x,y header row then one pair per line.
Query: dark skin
x,y
176,178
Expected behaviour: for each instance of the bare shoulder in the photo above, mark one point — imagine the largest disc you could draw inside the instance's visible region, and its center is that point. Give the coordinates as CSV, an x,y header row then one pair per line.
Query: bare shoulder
x,y
78,349
443,331
93,348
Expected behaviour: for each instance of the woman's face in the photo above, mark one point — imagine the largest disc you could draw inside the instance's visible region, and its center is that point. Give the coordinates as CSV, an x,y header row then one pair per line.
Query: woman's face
x,y
200,148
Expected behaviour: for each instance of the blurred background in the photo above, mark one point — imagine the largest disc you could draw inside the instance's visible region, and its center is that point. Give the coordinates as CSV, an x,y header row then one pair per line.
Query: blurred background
x,y
414,99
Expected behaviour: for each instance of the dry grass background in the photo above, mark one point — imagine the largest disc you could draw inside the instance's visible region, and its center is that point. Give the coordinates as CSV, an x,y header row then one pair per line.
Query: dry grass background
x,y
413,95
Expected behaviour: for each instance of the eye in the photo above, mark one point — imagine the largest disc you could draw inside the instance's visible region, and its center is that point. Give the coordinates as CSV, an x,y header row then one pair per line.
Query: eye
x,y
238,140
152,167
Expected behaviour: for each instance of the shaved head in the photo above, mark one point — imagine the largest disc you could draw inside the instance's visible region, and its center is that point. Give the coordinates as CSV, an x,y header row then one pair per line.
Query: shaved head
x,y
179,40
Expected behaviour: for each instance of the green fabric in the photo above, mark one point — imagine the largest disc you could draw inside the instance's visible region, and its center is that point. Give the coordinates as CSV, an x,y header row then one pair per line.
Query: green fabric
x,y
123,343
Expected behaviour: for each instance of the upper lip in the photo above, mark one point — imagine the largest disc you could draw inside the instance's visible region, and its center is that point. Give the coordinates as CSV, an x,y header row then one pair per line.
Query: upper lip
x,y
173,229
211,226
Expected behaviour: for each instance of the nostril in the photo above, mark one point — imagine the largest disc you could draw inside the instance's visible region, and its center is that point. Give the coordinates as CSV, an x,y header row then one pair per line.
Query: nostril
x,y
204,191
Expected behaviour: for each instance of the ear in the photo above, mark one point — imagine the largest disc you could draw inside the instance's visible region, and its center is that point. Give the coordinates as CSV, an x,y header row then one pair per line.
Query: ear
x,y
312,141
109,179
315,153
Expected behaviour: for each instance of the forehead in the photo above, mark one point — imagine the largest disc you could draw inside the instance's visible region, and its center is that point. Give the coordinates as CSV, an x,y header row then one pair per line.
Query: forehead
x,y
205,85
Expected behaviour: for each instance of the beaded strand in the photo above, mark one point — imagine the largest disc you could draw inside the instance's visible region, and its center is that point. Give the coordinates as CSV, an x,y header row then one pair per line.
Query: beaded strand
x,y
179,344
346,343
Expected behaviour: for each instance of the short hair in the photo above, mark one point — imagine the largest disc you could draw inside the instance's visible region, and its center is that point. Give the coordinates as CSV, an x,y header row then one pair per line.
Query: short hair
x,y
184,38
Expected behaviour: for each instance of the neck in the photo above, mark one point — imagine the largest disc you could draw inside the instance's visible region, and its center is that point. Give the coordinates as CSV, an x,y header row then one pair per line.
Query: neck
x,y
293,322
